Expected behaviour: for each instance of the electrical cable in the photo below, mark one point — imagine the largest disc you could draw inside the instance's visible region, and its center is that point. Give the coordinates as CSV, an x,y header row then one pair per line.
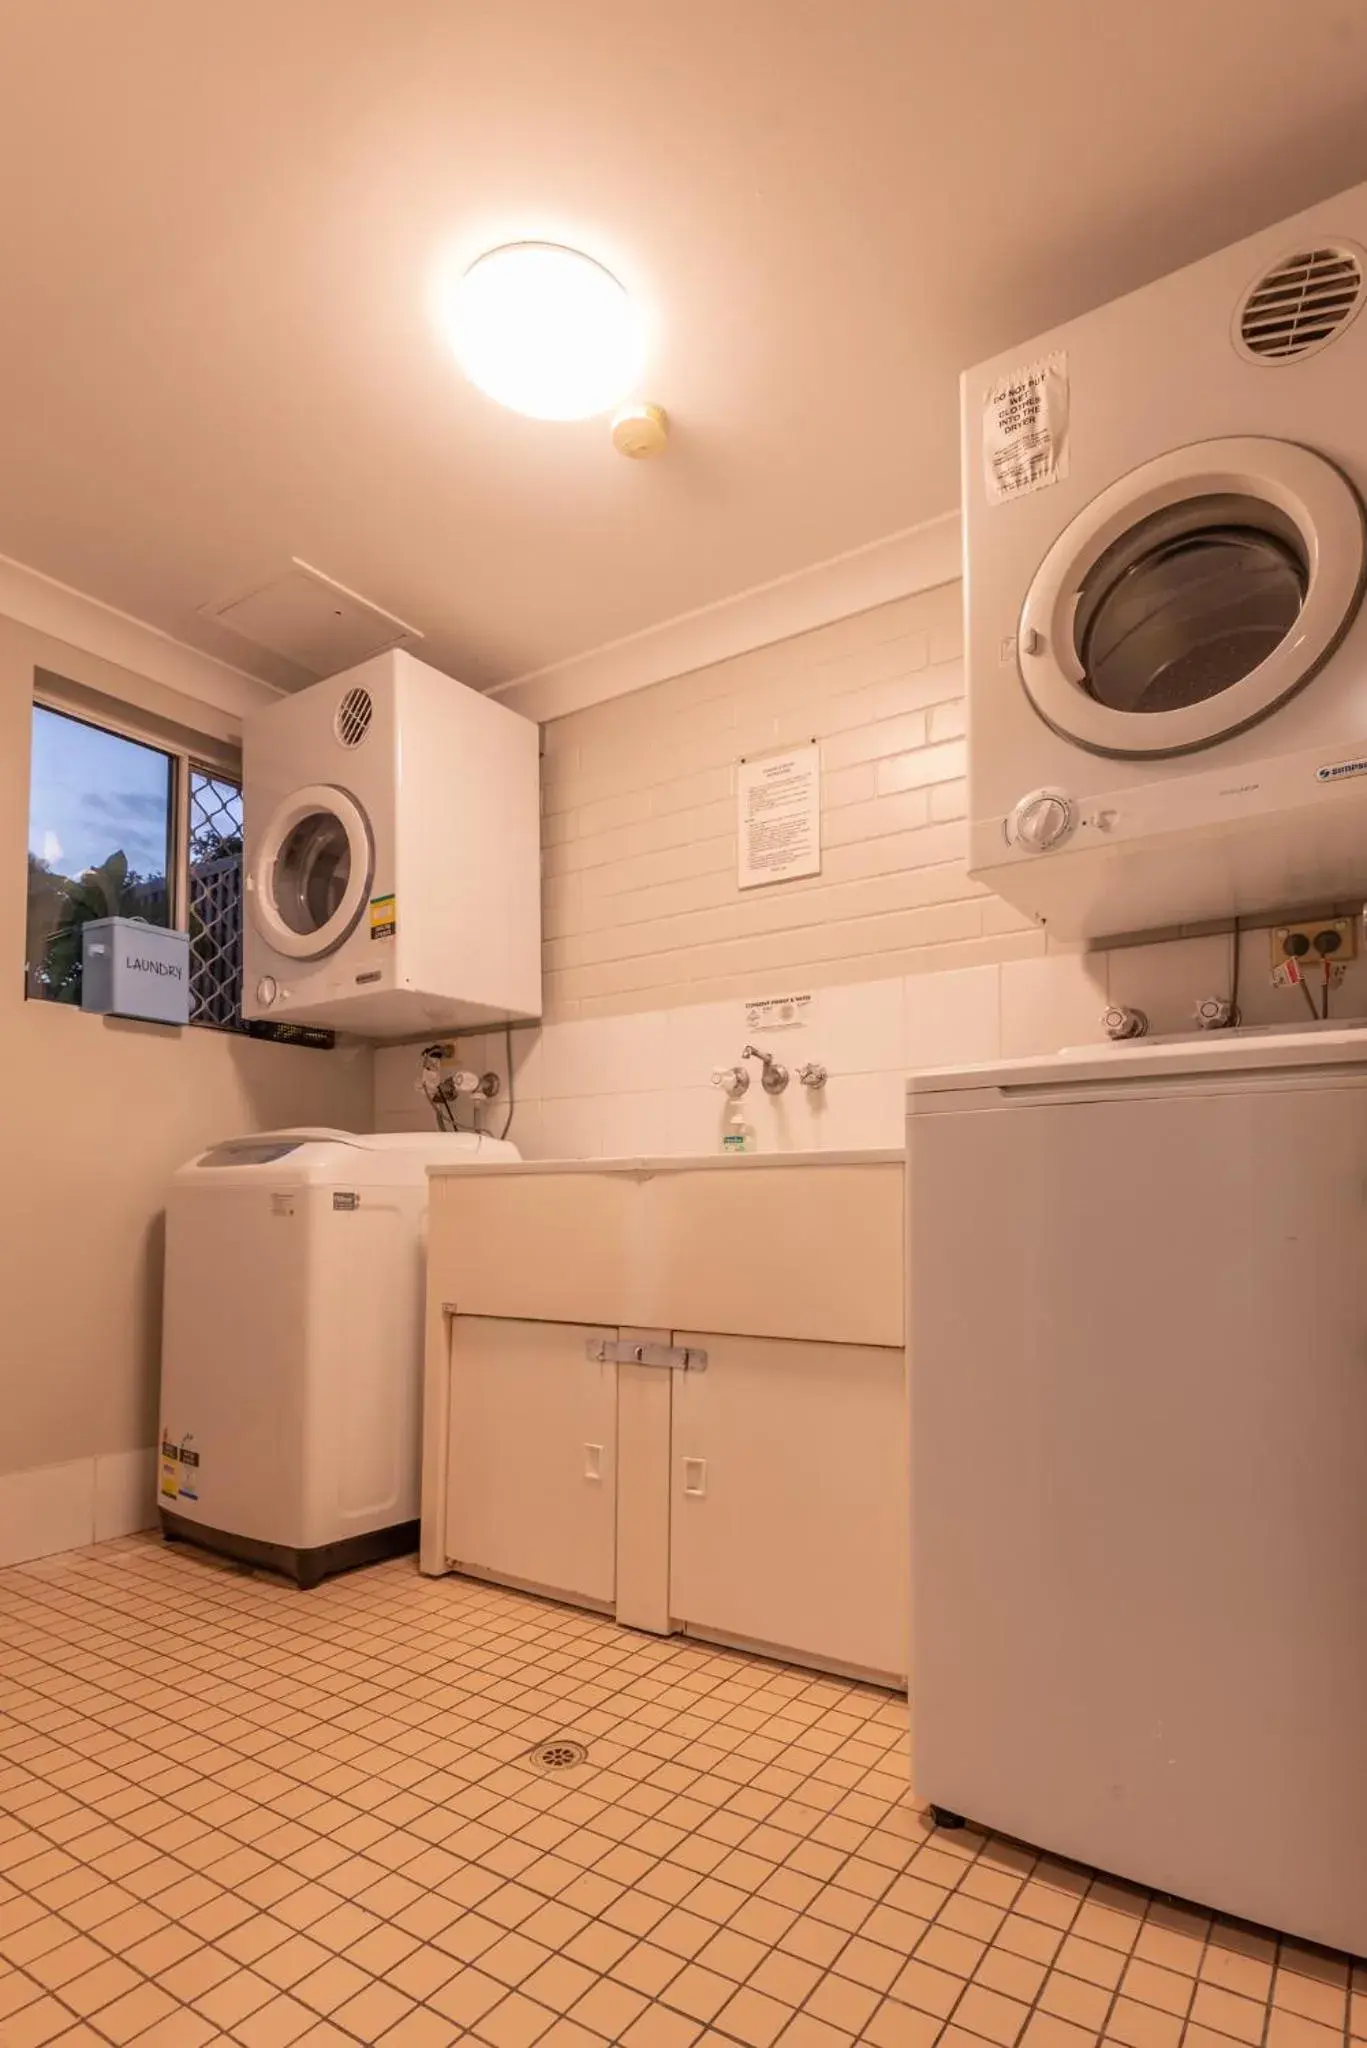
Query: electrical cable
x,y
512,1092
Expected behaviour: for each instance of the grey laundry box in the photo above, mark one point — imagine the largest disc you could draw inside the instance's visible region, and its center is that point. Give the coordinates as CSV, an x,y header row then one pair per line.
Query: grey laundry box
x,y
132,969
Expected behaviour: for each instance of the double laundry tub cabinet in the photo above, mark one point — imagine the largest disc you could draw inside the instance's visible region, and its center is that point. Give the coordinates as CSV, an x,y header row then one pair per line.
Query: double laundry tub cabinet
x,y
674,1391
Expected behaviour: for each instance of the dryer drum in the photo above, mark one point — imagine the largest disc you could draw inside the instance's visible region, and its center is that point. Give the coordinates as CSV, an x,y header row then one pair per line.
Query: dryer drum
x,y
1188,603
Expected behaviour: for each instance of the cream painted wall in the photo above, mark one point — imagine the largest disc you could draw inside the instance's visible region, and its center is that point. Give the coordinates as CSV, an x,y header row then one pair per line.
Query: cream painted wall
x,y
95,1115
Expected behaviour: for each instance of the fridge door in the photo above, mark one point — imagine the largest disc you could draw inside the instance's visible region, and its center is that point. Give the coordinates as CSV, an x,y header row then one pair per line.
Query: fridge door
x,y
1138,1365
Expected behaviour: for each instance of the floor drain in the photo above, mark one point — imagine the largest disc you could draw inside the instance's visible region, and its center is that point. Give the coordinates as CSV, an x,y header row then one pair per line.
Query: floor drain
x,y
559,1754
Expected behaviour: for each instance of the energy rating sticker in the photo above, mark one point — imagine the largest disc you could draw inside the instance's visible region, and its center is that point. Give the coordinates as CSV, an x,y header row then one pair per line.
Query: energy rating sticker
x,y
384,917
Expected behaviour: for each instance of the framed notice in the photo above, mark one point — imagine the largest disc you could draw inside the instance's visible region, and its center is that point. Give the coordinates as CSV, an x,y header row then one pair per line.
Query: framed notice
x,y
778,822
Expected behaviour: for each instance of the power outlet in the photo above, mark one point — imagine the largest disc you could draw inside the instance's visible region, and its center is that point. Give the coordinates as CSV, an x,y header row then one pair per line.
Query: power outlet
x,y
1316,940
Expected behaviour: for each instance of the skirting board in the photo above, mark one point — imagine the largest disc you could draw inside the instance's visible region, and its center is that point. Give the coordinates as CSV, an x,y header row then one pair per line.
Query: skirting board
x,y
64,1507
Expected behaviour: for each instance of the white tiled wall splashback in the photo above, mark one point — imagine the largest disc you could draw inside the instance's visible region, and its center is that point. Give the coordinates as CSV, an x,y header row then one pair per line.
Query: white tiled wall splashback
x,y
627,1085
642,910
651,947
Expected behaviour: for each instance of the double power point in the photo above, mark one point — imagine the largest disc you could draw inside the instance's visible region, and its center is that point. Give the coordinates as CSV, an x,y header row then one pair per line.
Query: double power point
x,y
1333,939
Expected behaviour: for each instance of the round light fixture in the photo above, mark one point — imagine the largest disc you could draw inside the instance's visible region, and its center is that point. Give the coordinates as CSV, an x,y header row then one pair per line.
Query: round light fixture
x,y
546,331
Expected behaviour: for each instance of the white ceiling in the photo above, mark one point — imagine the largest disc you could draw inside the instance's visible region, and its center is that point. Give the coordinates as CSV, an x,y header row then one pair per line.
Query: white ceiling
x,y
218,219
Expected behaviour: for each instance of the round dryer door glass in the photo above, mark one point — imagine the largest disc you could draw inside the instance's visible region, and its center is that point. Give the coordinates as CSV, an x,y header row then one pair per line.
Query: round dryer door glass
x,y
1188,603
312,870
1192,597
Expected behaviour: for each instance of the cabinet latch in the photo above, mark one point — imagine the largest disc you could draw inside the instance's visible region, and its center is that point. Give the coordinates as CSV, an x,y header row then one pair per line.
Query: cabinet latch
x,y
621,1351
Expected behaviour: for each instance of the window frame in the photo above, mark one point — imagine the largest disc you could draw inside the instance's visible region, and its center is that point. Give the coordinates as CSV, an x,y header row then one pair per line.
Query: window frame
x,y
189,753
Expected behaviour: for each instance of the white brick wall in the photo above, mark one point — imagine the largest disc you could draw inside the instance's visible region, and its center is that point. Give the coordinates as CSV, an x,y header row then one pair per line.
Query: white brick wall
x,y
650,946
642,908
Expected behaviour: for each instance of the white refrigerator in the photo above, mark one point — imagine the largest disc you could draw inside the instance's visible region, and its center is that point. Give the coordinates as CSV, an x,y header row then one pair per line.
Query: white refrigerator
x,y
1137,1289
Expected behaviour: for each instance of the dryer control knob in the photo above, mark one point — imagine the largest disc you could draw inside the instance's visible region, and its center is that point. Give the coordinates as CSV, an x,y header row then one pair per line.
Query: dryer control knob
x,y
267,989
1042,820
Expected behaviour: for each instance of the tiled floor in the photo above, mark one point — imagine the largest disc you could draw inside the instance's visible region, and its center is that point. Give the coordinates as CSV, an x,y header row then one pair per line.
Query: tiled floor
x,y
233,1813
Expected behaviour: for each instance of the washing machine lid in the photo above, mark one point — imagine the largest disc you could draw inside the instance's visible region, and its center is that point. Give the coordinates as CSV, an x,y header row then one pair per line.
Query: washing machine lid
x,y
311,876
1192,597
311,1155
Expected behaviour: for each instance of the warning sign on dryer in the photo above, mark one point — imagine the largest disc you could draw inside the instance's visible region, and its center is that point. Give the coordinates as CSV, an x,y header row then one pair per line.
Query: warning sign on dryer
x,y
1025,429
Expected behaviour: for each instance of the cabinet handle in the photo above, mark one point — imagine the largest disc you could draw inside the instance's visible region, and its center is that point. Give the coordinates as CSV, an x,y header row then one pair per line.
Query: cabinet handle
x,y
695,1478
593,1461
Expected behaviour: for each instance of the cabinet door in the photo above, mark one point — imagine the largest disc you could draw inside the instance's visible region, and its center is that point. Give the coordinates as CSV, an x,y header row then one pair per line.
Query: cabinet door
x,y
789,1499
532,1456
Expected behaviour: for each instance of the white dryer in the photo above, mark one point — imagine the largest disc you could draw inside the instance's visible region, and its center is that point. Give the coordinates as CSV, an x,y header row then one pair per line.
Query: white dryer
x,y
1164,541
291,1378
392,855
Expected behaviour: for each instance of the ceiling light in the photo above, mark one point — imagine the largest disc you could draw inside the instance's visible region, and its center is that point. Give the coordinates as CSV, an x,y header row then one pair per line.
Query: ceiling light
x,y
545,330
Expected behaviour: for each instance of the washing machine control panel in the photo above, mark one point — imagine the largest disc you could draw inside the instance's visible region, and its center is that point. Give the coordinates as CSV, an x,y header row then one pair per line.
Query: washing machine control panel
x,y
1042,820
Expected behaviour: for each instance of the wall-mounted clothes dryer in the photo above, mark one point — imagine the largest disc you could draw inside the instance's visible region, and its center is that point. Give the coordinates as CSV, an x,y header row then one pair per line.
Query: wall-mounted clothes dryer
x,y
1164,568
392,834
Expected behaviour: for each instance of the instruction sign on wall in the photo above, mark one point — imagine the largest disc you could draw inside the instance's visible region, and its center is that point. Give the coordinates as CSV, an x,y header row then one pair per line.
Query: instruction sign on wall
x,y
778,824
1025,429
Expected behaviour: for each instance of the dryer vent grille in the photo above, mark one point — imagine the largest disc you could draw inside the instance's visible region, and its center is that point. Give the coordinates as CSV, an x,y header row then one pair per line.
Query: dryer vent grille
x,y
352,720
1300,304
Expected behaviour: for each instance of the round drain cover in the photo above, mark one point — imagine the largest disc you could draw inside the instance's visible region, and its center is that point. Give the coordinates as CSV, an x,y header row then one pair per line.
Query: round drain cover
x,y
559,1754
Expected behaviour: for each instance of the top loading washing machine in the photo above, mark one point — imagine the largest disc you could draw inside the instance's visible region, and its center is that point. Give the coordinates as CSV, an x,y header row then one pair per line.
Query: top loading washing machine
x,y
1164,566
392,855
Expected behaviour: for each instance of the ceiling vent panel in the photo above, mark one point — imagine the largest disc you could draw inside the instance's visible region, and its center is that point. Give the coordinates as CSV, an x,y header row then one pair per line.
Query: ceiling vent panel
x,y
320,625
1301,304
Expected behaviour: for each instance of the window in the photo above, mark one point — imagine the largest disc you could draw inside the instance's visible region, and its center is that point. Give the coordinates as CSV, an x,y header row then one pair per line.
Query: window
x,y
99,844
215,874
120,827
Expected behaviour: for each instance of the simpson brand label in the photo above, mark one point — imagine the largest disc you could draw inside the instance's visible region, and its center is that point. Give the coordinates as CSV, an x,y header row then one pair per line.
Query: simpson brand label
x,y
1339,771
384,917
1025,429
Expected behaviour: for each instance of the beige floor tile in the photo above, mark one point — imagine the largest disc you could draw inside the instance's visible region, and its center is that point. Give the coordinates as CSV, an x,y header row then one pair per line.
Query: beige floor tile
x,y
806,2031
929,1990
991,2016
840,2002
902,2026
1169,1990
37,2024
372,2012
944,1950
1291,2030
1044,2031
421,2029
516,2023
1015,1976
1248,1976
133,2015
657,2027
609,2009
740,1862
466,1997
1324,2000
1142,2026
277,2025
1072,1998
1172,1947
559,1983
325,1988
1090,1961
1242,2019
754,2019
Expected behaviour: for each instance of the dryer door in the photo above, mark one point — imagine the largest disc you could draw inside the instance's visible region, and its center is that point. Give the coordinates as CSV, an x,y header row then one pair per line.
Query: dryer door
x,y
310,880
1192,598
